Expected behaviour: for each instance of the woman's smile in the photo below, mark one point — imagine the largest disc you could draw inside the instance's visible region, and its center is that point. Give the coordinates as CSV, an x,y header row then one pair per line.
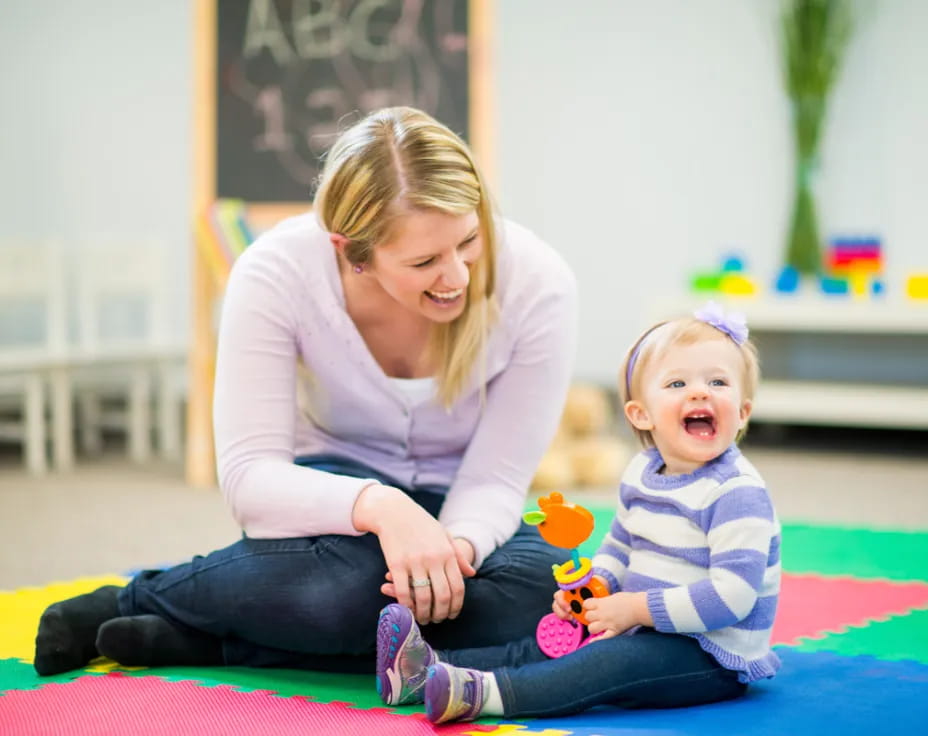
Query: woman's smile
x,y
445,298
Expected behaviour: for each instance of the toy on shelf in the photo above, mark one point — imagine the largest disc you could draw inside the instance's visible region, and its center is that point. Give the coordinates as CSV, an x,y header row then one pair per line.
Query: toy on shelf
x,y
847,255
916,286
566,525
730,279
833,286
852,266
787,280
858,262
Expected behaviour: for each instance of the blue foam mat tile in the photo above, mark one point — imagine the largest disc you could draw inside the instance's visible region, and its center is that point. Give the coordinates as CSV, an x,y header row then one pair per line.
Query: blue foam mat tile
x,y
816,692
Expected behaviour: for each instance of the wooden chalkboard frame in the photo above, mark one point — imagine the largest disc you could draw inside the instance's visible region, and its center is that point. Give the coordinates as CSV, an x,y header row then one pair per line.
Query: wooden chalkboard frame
x,y
205,286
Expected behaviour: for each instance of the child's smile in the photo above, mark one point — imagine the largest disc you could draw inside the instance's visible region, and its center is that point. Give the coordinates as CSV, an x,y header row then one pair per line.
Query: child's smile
x,y
692,402
700,423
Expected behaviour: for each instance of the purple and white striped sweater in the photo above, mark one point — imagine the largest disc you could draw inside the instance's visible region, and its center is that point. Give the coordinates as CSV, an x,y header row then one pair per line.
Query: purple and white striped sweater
x,y
706,548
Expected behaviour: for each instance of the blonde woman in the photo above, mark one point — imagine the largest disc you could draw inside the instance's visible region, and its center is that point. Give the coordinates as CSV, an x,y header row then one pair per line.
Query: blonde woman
x,y
391,368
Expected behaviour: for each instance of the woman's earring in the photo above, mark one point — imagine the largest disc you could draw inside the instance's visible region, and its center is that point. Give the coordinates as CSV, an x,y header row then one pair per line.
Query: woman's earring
x,y
358,268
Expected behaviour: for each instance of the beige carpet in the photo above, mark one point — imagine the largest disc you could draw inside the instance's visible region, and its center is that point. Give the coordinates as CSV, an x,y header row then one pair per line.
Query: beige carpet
x,y
110,516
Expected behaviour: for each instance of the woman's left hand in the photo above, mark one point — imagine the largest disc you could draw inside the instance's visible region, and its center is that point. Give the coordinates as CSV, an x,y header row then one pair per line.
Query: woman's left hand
x,y
465,556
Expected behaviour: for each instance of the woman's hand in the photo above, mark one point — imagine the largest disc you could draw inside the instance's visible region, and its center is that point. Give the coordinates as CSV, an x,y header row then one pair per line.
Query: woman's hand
x,y
616,613
465,552
415,548
466,556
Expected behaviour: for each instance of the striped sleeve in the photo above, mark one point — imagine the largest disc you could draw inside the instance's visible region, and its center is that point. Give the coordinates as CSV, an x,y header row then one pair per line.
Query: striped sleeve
x,y
740,529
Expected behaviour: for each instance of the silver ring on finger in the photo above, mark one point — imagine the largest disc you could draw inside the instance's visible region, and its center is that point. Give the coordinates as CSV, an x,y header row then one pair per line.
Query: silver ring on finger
x,y
420,582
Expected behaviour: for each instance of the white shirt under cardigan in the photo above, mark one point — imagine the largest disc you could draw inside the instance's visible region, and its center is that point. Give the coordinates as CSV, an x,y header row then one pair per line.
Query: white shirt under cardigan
x,y
706,548
284,305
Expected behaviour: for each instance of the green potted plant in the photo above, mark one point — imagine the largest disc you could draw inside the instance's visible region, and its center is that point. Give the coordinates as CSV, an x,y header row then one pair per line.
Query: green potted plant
x,y
814,36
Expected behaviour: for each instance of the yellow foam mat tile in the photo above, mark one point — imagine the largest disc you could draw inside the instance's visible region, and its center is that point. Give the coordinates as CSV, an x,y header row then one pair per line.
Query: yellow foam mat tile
x,y
20,611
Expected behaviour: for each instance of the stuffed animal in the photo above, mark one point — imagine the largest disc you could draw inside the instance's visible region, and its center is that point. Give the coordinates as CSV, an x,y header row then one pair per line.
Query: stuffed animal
x,y
585,450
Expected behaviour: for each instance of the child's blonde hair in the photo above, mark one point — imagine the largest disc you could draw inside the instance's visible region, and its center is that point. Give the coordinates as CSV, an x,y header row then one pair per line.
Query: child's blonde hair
x,y
683,331
396,161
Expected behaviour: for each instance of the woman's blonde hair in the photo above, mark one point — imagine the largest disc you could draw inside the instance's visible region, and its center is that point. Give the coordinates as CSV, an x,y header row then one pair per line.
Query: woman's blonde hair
x,y
395,161
654,341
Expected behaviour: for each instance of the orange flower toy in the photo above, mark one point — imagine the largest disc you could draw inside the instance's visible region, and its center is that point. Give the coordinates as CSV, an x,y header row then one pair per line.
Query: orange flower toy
x,y
565,524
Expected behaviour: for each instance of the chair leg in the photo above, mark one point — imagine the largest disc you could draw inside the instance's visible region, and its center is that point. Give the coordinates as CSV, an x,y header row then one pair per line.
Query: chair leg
x,y
140,415
90,423
169,419
62,419
34,418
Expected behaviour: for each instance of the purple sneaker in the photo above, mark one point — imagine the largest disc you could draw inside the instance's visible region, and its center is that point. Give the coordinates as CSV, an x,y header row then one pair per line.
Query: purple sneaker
x,y
453,693
403,657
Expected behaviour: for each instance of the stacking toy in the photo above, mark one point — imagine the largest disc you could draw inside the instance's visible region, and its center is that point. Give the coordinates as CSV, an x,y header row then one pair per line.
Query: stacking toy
x,y
567,525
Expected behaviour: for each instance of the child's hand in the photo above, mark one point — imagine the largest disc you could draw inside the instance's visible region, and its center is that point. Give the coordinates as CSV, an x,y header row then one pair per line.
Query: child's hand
x,y
560,607
616,613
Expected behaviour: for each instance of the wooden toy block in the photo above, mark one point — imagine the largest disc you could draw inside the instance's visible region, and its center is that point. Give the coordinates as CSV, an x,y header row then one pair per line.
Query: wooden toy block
x,y
737,285
916,286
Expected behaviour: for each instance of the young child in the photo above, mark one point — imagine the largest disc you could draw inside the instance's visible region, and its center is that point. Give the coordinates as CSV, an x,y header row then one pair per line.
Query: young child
x,y
692,559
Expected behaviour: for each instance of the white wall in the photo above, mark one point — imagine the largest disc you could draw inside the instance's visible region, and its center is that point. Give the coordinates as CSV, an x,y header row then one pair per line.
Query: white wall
x,y
96,124
642,139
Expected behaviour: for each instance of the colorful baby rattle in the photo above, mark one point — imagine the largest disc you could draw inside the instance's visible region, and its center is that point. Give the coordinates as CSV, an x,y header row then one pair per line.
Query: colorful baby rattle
x,y
567,525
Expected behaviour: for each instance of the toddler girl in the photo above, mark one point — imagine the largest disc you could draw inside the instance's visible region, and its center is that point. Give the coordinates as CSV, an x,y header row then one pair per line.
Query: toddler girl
x,y
691,561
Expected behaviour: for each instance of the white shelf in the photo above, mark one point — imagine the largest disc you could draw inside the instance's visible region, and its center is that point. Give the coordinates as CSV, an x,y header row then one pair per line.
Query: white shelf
x,y
841,404
818,313
850,330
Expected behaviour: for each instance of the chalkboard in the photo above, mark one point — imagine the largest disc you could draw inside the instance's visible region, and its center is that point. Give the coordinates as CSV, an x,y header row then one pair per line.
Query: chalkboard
x,y
291,74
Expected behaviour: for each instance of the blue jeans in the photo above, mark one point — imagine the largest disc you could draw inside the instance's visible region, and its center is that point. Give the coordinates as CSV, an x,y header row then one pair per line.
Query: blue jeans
x,y
646,669
313,602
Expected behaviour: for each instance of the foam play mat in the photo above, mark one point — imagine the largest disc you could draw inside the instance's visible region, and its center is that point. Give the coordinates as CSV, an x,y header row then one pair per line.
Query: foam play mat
x,y
852,631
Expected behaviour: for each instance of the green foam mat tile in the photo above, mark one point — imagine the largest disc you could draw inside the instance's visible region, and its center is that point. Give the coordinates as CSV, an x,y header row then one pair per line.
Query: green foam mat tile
x,y
829,550
602,520
18,675
898,638
862,553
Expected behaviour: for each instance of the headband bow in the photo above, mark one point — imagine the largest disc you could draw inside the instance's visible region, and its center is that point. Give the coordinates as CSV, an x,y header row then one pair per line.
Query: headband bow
x,y
732,324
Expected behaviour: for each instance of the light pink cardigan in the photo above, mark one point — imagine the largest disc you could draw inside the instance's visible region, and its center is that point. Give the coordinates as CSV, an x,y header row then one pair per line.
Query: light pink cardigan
x,y
284,304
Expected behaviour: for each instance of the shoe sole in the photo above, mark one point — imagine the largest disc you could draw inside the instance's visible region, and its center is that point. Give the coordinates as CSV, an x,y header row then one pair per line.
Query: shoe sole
x,y
391,640
438,695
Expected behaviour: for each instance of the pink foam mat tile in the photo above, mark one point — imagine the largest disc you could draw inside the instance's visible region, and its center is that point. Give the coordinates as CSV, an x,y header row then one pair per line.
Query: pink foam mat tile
x,y
114,704
812,606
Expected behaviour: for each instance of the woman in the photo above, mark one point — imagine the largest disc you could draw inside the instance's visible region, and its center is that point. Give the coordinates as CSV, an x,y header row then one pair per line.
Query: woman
x,y
391,368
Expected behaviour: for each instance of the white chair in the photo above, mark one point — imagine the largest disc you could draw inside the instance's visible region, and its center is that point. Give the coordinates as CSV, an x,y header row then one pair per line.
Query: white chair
x,y
33,353
124,357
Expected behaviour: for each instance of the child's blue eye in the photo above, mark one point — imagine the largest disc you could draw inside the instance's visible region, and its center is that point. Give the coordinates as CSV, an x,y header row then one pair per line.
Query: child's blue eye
x,y
718,382
676,384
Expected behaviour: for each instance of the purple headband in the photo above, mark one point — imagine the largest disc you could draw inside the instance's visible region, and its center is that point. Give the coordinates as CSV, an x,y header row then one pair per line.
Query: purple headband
x,y
732,324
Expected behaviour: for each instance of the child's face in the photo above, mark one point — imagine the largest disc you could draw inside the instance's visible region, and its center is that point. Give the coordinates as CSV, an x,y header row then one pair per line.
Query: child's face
x,y
692,403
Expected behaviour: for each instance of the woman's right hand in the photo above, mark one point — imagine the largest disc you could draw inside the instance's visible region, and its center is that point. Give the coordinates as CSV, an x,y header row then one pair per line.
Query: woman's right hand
x,y
415,547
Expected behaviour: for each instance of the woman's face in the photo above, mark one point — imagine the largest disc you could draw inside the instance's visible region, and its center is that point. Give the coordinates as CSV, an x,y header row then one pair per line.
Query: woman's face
x,y
425,264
